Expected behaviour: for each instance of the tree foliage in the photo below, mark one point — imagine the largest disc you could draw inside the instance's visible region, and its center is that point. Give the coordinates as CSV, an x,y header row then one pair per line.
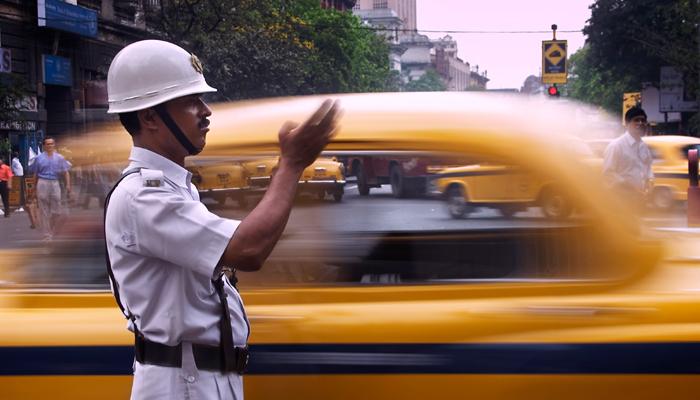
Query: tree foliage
x,y
589,83
261,48
428,82
12,91
628,41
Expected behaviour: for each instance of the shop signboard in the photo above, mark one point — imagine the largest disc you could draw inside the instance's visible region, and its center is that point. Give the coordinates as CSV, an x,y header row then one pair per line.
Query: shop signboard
x,y
63,16
57,70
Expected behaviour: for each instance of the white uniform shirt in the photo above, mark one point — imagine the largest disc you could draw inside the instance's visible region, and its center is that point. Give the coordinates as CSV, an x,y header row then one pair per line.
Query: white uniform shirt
x,y
628,161
17,168
164,246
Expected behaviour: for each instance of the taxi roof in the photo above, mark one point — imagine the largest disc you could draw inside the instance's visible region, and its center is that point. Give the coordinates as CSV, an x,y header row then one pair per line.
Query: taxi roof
x,y
672,139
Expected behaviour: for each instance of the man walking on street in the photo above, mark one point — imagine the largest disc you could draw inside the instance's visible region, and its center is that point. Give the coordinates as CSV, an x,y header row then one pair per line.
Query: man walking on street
x,y
169,258
627,162
5,186
49,167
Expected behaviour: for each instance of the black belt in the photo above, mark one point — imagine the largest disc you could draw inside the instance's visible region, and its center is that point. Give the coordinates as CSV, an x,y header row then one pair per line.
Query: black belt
x,y
206,357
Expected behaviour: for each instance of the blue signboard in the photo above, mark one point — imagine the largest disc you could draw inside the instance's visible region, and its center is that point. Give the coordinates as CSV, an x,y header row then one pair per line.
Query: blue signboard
x,y
57,70
67,17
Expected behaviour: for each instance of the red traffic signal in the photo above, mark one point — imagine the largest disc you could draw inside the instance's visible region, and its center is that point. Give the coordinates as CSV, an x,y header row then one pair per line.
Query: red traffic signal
x,y
553,91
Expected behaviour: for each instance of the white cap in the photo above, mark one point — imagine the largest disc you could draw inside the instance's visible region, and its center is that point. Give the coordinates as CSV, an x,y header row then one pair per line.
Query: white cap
x,y
151,72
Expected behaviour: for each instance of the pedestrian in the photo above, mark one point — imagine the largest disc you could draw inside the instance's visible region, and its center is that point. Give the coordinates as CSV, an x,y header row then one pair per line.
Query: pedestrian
x,y
18,171
49,167
5,186
627,161
169,258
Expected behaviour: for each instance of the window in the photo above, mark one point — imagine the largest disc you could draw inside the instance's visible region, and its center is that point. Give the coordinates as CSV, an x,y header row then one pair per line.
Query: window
x,y
380,4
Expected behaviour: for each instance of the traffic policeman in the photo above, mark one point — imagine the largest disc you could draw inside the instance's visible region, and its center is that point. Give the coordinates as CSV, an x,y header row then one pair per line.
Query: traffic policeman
x,y
166,252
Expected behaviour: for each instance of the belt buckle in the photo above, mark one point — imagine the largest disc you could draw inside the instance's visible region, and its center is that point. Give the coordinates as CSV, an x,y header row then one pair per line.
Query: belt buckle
x,y
243,356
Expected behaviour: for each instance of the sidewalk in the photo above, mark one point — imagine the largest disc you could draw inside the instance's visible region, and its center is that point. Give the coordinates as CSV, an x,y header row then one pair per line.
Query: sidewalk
x,y
15,231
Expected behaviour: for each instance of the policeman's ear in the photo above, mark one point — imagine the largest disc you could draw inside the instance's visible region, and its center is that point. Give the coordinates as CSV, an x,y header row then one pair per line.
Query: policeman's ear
x,y
148,120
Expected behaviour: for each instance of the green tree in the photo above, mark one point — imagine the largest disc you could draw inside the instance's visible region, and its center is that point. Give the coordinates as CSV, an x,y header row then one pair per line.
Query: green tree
x,y
428,82
590,84
267,48
627,43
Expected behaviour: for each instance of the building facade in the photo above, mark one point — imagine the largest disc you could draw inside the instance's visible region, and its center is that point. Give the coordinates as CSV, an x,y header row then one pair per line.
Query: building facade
x,y
455,73
404,9
340,5
59,53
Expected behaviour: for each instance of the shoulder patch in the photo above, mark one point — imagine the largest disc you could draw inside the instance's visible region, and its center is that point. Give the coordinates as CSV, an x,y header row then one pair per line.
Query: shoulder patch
x,y
152,177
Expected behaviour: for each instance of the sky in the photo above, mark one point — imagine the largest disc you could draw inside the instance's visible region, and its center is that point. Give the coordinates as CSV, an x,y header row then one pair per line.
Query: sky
x,y
508,58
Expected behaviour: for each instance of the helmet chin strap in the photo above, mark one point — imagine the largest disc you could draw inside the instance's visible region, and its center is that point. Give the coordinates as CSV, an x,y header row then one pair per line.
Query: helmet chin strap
x,y
175,130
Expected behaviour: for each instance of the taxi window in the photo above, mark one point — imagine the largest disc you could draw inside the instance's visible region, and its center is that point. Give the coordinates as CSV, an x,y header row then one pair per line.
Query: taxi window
x,y
424,218
374,218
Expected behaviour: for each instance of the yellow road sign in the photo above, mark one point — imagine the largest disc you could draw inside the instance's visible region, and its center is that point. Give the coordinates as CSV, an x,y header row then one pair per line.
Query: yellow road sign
x,y
630,100
554,61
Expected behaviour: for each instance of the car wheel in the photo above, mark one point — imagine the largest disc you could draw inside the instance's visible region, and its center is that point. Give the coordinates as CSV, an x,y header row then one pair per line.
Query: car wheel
x,y
509,211
362,186
555,204
662,198
457,204
398,184
338,197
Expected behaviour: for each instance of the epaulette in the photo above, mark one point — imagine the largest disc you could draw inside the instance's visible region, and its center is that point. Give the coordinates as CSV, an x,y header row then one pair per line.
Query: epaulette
x,y
152,177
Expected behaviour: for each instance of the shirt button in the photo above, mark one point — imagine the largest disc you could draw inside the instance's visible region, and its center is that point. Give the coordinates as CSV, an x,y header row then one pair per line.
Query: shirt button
x,y
190,379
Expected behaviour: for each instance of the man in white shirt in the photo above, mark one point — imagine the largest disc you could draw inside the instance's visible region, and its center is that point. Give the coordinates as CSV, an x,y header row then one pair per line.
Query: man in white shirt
x,y
18,171
627,162
166,251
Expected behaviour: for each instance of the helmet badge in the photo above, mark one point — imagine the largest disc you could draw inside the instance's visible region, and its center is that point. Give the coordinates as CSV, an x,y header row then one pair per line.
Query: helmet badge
x,y
196,64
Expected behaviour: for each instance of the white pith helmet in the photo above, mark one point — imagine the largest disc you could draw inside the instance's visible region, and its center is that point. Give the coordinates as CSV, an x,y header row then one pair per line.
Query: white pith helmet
x,y
151,72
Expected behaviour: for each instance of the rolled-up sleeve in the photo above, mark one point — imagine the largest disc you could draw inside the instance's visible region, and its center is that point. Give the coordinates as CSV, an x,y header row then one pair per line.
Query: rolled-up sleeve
x,y
179,230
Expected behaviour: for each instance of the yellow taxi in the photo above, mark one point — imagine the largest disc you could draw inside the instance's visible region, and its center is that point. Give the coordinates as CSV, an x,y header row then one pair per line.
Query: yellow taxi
x,y
326,176
670,168
508,188
219,180
380,298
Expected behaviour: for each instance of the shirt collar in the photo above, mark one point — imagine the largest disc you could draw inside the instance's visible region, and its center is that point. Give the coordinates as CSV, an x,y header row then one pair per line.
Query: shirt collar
x,y
630,140
144,158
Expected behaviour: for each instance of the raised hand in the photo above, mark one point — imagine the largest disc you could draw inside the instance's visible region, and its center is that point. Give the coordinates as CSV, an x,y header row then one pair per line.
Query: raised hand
x,y
300,145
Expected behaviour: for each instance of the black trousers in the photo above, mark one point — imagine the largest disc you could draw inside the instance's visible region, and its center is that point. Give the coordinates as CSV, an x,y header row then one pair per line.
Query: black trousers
x,y
5,194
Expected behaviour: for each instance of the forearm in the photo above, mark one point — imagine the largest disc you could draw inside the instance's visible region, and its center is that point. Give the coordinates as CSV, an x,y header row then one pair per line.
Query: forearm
x,y
258,233
68,186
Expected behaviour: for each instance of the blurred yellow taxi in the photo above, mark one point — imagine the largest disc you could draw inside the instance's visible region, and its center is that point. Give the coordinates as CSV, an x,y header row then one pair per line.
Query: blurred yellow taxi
x,y
219,180
670,168
506,188
380,298
326,176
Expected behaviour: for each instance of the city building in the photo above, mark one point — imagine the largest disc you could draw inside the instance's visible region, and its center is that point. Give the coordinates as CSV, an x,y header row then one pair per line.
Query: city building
x,y
341,5
477,80
58,54
533,85
404,9
396,20
454,72
387,24
412,53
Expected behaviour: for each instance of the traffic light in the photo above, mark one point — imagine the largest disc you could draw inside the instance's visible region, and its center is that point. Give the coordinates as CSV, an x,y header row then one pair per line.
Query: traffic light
x,y
553,91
